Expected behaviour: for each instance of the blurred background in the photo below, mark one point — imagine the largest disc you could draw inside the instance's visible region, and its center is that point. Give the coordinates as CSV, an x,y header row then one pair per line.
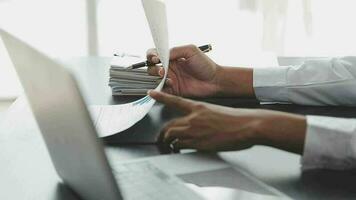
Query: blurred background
x,y
243,32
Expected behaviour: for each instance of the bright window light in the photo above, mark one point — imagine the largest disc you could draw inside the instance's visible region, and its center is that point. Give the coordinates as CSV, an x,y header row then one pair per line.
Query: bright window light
x,y
242,32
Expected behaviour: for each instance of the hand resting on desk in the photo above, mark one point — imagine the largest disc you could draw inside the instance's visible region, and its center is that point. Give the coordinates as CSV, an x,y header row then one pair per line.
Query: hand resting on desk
x,y
209,127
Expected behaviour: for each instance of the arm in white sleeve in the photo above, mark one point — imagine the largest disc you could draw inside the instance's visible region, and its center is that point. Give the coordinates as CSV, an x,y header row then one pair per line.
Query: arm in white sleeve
x,y
317,82
330,143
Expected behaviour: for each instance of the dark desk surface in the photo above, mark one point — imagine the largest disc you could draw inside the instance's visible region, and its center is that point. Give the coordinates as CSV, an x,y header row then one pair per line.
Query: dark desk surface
x,y
27,173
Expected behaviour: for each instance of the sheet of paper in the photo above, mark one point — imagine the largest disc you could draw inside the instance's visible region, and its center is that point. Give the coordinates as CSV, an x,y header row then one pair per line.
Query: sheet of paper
x,y
111,119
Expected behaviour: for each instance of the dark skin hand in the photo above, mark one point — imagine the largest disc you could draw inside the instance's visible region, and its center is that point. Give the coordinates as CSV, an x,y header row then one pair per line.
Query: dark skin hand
x,y
193,74
208,127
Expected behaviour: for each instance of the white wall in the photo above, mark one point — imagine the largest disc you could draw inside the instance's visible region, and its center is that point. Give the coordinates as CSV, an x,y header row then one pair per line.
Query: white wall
x,y
239,29
243,32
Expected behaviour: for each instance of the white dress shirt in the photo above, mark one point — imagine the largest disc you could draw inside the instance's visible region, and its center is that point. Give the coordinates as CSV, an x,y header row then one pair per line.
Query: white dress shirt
x,y
330,142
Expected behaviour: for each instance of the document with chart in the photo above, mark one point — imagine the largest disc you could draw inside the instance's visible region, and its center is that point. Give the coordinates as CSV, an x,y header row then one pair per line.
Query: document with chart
x,y
111,119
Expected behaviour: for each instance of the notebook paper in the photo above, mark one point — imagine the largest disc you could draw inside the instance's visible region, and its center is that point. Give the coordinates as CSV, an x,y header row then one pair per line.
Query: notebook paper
x,y
111,119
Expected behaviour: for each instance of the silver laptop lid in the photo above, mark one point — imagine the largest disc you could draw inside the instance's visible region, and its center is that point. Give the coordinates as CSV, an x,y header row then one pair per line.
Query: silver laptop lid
x,y
64,121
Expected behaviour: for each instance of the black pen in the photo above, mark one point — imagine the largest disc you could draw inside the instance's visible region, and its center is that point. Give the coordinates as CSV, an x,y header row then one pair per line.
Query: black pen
x,y
204,48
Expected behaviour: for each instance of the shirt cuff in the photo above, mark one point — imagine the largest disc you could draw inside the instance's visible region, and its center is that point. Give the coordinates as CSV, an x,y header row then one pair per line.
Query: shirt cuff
x,y
270,84
329,143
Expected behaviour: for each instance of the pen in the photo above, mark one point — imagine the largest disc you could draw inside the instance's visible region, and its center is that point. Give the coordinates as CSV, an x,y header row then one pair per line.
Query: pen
x,y
204,49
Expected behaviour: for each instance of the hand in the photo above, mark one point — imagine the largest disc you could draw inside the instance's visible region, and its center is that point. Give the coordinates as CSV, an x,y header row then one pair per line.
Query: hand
x,y
209,127
191,72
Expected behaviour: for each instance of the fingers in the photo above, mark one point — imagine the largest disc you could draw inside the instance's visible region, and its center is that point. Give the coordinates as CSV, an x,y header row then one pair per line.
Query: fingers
x,y
180,103
152,56
184,144
185,52
175,132
153,70
180,122
169,82
192,144
180,133
176,53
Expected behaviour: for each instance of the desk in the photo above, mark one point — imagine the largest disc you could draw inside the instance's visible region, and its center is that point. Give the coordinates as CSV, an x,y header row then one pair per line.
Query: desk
x,y
27,173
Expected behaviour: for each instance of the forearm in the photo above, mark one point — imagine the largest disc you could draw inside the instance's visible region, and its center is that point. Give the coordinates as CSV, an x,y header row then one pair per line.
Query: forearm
x,y
282,130
235,82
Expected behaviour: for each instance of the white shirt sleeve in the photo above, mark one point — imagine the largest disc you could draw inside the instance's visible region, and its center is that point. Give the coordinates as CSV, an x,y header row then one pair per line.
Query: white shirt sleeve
x,y
317,82
330,142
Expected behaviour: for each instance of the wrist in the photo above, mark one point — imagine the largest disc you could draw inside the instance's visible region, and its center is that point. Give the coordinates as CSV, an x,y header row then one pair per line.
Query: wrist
x,y
219,73
234,81
281,130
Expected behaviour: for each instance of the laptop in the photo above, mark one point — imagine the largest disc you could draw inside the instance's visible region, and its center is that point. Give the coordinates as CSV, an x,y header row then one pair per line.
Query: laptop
x,y
72,141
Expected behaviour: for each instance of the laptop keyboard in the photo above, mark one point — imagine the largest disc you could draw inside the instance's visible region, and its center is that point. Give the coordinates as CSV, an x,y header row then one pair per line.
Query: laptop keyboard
x,y
142,180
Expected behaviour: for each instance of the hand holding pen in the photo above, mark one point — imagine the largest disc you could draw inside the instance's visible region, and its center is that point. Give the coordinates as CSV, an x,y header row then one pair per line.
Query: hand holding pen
x,y
191,72
204,48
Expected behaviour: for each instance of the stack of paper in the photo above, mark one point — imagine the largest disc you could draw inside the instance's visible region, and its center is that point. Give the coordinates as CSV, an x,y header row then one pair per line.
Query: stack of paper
x,y
124,81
